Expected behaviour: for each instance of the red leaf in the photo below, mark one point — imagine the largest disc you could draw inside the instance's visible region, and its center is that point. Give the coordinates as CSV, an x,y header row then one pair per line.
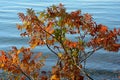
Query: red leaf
x,y
102,28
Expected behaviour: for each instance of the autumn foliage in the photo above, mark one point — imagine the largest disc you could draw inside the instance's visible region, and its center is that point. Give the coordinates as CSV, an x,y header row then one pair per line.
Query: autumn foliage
x,y
51,28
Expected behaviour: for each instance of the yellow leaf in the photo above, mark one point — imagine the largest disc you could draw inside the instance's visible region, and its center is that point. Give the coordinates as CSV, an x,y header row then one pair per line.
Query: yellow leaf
x,y
2,65
54,77
18,52
60,55
33,45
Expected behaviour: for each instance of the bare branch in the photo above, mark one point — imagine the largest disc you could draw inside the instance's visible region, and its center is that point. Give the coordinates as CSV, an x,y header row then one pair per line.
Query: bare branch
x,y
88,54
51,50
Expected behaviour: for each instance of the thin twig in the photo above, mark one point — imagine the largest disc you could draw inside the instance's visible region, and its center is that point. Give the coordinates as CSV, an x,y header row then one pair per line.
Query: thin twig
x,y
51,50
84,72
54,37
23,72
89,54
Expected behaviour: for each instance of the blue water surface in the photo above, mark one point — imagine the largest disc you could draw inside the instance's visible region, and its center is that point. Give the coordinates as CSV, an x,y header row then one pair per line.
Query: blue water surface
x,y
106,12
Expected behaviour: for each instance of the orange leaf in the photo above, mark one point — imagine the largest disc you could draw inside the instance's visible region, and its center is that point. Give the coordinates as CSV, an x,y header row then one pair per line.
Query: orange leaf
x,y
116,45
2,52
18,52
51,31
33,45
37,55
54,77
87,17
49,26
102,28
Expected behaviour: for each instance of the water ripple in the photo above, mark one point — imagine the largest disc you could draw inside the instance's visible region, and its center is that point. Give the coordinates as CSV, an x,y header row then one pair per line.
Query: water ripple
x,y
103,11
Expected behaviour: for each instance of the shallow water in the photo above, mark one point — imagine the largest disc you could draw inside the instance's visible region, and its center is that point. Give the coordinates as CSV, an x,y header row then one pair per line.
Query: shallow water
x,y
103,11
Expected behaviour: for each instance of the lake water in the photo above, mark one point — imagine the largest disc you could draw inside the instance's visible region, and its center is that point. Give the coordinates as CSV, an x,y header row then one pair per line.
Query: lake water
x,y
103,11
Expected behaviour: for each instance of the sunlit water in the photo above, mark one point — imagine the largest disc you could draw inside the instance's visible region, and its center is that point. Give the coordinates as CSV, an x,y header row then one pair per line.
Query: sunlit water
x,y
103,11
